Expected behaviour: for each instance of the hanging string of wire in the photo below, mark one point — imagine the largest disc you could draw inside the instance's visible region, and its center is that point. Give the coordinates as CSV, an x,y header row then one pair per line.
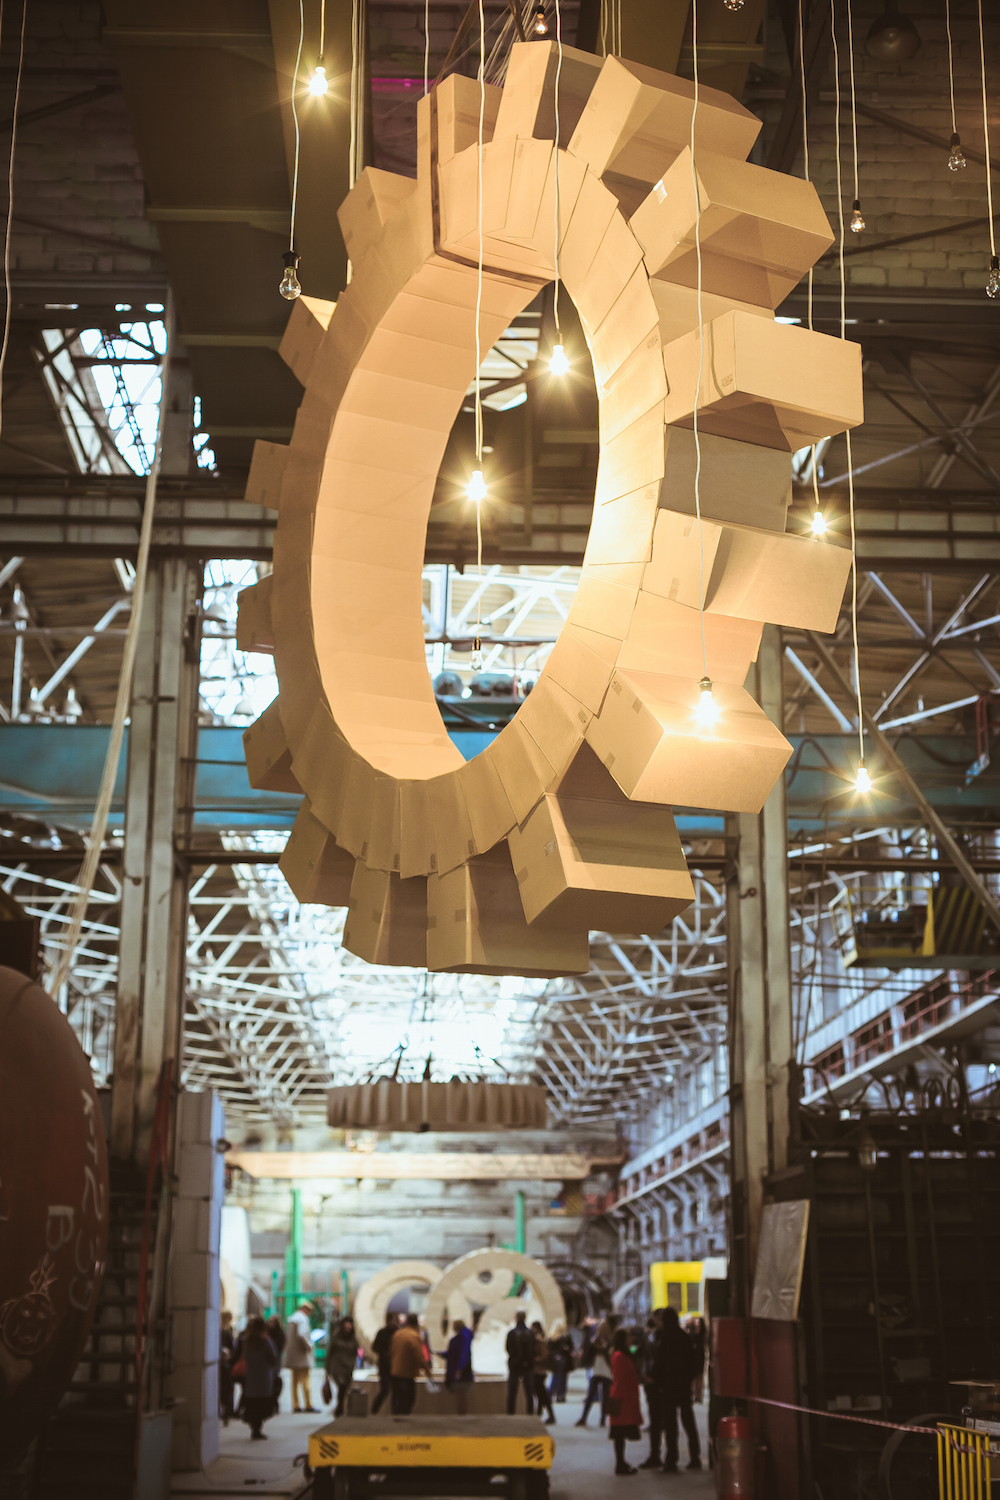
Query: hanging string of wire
x,y
847,435
322,28
295,126
701,339
813,464
479,313
857,220
993,281
10,201
555,161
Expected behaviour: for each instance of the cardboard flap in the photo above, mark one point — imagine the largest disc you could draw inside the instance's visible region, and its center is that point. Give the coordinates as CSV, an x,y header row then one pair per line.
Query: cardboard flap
x,y
315,868
268,758
267,468
369,206
307,323
527,107
253,617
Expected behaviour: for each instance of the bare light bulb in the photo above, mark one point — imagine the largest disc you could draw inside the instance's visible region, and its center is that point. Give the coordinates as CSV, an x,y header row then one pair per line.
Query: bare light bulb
x,y
956,159
318,83
289,285
708,710
993,279
733,4
476,489
862,781
818,523
541,25
857,217
558,363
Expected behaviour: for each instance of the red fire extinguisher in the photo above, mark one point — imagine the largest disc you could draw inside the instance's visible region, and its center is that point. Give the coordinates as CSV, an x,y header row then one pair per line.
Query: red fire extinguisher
x,y
734,1449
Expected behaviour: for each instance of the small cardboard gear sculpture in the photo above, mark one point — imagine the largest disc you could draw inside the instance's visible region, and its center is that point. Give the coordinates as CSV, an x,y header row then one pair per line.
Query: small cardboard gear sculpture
x,y
563,824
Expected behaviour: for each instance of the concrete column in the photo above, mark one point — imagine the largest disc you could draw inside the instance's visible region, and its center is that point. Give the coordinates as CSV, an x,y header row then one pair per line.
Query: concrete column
x,y
194,1290
760,991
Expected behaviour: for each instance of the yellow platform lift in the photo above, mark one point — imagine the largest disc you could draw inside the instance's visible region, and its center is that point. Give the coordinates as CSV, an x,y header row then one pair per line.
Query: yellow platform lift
x,y
355,1457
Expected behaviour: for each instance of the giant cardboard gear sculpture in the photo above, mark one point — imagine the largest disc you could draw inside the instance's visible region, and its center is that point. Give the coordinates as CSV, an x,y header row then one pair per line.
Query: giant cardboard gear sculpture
x,y
503,864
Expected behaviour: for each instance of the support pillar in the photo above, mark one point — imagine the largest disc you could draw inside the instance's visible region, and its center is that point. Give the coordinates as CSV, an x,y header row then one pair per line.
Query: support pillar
x,y
760,992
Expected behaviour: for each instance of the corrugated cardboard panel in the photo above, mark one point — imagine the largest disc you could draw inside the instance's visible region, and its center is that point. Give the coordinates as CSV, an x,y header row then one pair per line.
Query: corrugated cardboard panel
x,y
739,482
321,760
632,459
368,207
528,103
356,815
387,919
268,758
253,617
550,718
667,637
458,104
648,737
417,854
677,307
384,829
453,836
476,925
592,214
315,868
604,607
522,767
266,470
490,813
632,384
625,327
622,529
582,663
307,323
765,383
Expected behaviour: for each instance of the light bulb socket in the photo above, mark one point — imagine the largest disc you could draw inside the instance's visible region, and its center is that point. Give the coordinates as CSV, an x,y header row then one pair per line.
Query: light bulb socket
x,y
995,262
290,260
705,685
856,206
956,140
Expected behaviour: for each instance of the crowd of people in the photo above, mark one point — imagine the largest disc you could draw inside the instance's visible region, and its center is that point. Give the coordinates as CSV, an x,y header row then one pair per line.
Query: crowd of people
x,y
664,1359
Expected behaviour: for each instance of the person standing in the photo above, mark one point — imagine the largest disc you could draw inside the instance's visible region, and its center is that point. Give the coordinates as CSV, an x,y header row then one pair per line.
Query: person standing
x,y
542,1366
299,1357
624,1411
561,1350
341,1360
600,1375
520,1364
381,1347
407,1361
698,1334
260,1361
227,1385
675,1371
458,1365
655,1395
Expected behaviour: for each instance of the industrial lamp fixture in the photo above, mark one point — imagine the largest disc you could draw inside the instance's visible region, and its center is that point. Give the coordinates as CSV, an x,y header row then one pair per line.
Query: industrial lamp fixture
x,y
893,36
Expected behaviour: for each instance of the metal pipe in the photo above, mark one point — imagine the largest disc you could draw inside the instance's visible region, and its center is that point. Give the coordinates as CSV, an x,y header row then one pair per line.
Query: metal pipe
x,y
930,814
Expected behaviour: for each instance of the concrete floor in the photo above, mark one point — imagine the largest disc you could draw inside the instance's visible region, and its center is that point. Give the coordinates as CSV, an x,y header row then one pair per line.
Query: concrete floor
x,y
583,1467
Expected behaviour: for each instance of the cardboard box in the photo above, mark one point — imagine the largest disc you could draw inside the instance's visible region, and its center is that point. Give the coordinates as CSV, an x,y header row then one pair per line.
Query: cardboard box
x,y
633,387
677,307
454,840
759,231
667,637
765,383
522,766
739,482
587,856
267,468
554,721
457,99
307,323
321,761
382,850
476,925
491,816
633,459
369,206
268,758
417,852
629,322
354,824
527,105
253,617
582,663
648,737
637,121
315,867
749,573
386,922
622,529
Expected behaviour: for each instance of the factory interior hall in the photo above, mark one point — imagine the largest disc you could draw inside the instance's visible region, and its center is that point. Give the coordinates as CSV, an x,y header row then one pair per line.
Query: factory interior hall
x,y
499,842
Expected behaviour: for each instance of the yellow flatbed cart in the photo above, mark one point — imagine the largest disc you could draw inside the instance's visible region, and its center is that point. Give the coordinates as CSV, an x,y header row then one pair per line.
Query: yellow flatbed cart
x,y
357,1457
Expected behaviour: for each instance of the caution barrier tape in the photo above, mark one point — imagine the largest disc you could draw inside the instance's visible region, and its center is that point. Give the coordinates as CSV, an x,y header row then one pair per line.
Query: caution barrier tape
x,y
843,1416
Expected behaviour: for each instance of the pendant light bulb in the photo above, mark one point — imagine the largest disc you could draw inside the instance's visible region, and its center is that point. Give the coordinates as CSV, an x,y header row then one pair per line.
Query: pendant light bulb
x,y
707,711
862,781
558,363
956,160
818,523
857,218
318,82
476,489
289,285
541,25
733,4
993,279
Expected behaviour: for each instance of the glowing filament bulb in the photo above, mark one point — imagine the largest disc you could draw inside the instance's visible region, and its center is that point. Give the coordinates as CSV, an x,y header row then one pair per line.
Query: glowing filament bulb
x,y
558,363
857,218
289,285
818,523
956,159
708,710
993,279
318,83
862,781
733,4
476,489
541,25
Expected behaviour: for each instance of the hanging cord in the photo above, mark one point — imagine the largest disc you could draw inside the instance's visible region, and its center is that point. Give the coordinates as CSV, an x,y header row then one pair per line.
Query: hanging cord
x,y
427,45
857,220
298,137
951,67
847,434
805,143
102,808
479,333
322,28
701,345
559,63
993,284
10,204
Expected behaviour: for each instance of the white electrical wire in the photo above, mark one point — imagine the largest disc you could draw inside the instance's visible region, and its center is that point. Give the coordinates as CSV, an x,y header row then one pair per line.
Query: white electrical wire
x,y
847,434
479,313
427,45
806,174
701,342
951,64
986,133
10,203
555,158
854,98
295,123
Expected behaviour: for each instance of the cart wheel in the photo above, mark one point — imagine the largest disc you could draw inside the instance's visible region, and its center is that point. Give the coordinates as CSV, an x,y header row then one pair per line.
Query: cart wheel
x,y
517,1488
341,1485
323,1484
538,1484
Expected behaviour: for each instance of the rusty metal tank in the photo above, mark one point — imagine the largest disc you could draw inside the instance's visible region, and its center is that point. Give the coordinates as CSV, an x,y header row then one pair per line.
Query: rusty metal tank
x,y
53,1207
